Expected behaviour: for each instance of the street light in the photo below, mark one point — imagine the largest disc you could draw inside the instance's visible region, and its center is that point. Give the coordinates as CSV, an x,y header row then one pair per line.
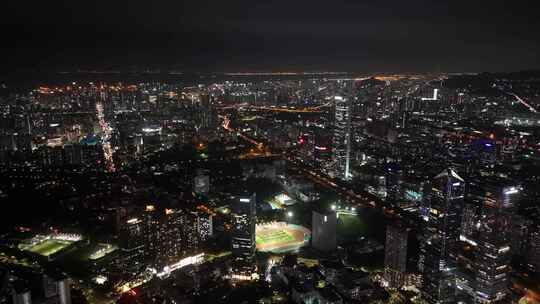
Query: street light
x,y
289,216
333,207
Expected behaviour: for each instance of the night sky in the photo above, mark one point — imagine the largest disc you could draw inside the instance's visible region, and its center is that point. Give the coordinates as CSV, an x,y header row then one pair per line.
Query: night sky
x,y
269,35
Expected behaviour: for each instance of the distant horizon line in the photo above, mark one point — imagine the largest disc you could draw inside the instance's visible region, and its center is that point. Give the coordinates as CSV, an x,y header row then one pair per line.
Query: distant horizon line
x,y
40,75
261,72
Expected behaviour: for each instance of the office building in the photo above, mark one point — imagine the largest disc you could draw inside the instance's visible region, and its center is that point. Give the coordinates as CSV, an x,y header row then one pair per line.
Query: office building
x,y
170,248
395,257
492,253
342,138
324,225
206,117
441,232
469,221
243,228
132,235
150,218
132,245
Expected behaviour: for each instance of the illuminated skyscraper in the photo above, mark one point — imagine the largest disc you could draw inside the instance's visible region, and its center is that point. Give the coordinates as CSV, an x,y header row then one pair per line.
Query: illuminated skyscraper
x,y
132,244
190,231
170,247
492,255
342,137
242,267
151,227
205,113
243,230
469,220
395,257
204,225
441,233
165,237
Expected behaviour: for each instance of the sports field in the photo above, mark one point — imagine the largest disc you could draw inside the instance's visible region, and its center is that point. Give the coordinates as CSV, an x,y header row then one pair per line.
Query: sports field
x,y
269,237
48,247
281,237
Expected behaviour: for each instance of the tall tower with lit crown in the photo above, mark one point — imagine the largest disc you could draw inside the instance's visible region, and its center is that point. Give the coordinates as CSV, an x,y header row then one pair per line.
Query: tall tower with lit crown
x,y
440,237
492,265
243,230
342,137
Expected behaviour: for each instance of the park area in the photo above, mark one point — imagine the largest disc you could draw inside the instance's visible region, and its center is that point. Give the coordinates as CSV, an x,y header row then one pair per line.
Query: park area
x,y
279,237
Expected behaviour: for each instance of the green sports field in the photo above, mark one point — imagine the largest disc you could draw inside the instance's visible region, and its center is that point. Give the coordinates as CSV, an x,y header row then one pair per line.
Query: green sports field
x,y
281,238
273,236
48,247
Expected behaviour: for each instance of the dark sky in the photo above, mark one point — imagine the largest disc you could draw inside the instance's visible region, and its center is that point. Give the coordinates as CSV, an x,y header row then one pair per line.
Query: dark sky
x,y
257,35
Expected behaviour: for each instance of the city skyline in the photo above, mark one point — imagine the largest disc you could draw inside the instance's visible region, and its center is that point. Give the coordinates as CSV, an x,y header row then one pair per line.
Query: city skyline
x,y
279,152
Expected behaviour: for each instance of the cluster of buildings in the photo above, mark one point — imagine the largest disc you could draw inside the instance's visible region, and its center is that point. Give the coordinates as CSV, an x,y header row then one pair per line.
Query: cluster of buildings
x,y
160,237
39,287
452,169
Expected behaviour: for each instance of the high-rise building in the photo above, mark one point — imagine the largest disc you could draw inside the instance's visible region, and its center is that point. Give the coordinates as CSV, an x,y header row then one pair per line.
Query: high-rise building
x,y
170,248
243,229
56,289
21,293
441,233
492,255
242,267
534,252
519,235
150,220
205,113
323,235
190,228
342,137
469,220
132,244
164,237
204,225
395,257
